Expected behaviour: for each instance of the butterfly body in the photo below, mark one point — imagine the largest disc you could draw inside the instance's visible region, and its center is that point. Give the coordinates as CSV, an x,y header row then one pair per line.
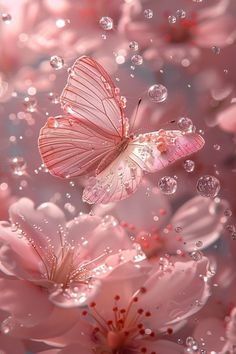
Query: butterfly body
x,y
93,138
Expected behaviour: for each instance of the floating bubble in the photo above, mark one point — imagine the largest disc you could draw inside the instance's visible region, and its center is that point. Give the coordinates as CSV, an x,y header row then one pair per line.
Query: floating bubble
x,y
215,50
137,59
148,13
185,124
106,23
216,147
228,213
196,255
178,229
30,104
157,93
172,19
189,165
6,18
180,13
56,62
168,185
208,186
133,46
18,166
199,243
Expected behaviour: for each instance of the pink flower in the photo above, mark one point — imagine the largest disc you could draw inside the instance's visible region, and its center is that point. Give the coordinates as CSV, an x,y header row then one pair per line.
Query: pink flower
x,y
195,225
47,258
137,312
179,40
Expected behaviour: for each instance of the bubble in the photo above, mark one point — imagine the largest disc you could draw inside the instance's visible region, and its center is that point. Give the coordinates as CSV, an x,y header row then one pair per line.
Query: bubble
x,y
230,228
168,185
18,166
106,23
6,18
216,147
172,19
228,212
215,50
148,13
30,104
208,186
157,93
133,46
196,255
180,13
199,243
189,165
109,221
178,229
185,124
137,59
56,62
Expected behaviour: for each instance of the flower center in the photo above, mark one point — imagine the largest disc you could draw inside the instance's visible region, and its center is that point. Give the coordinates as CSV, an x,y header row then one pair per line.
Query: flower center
x,y
124,331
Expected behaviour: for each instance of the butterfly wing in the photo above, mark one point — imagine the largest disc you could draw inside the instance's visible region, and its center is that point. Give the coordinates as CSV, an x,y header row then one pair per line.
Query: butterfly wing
x,y
70,147
86,138
121,178
91,95
157,150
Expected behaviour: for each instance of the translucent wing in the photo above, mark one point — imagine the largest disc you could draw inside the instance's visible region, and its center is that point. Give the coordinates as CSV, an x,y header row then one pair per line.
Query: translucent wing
x,y
91,95
157,150
71,147
148,152
120,179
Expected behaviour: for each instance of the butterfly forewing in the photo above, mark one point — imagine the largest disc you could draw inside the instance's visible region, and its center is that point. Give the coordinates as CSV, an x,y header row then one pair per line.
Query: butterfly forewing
x,y
70,147
91,95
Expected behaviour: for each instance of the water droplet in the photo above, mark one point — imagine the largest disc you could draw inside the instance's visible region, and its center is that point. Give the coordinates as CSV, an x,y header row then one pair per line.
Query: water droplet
x,y
180,13
137,59
133,46
196,255
56,62
189,165
6,18
199,243
172,19
54,98
109,221
157,93
185,124
178,229
168,185
208,186
18,166
215,50
216,147
106,23
30,104
148,13
230,228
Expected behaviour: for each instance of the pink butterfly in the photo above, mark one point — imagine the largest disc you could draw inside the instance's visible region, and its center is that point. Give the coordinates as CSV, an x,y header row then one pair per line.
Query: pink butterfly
x,y
93,137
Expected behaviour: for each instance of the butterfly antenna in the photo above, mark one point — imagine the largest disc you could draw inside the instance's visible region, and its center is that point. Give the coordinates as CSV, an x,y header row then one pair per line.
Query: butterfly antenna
x,y
136,113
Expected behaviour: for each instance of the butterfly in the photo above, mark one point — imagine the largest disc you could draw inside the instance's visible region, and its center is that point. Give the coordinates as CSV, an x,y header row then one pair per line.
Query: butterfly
x,y
93,138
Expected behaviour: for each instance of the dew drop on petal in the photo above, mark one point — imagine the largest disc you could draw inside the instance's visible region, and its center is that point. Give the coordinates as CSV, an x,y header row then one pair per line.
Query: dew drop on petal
x,y
30,104
56,62
189,165
208,186
180,13
18,166
133,45
6,18
172,19
157,93
106,23
148,13
137,59
167,184
185,124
